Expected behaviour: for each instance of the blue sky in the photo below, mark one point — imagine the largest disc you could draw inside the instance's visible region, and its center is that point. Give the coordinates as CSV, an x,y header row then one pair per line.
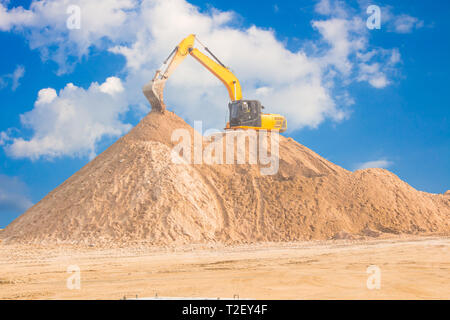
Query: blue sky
x,y
358,97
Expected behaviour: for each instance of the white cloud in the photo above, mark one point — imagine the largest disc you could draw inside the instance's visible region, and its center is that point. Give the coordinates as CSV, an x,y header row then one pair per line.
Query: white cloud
x,y
372,74
346,38
111,86
14,17
13,79
406,24
331,7
379,81
13,195
44,25
350,52
71,122
375,72
308,88
16,76
381,163
46,96
399,23
3,138
395,57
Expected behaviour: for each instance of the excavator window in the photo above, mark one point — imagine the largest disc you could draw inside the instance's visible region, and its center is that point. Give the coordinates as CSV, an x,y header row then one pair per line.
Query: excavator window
x,y
234,110
245,113
245,107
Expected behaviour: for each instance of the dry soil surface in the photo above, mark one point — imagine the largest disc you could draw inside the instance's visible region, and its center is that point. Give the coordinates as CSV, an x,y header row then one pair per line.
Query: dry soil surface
x,y
411,268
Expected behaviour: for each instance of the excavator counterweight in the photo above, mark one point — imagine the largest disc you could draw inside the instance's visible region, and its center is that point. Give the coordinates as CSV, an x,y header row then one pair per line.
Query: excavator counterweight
x,y
244,114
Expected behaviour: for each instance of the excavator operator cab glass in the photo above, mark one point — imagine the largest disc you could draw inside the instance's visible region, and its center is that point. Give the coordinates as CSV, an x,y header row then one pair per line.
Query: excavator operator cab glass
x,y
234,111
245,107
245,113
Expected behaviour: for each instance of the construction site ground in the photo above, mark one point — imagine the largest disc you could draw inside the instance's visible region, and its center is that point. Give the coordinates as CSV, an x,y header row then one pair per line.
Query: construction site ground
x,y
410,268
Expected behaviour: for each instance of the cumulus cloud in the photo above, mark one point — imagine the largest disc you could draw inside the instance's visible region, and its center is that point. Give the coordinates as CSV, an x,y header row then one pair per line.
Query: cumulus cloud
x,y
14,17
349,52
13,195
399,23
331,7
44,25
381,163
13,78
345,37
308,87
376,73
72,121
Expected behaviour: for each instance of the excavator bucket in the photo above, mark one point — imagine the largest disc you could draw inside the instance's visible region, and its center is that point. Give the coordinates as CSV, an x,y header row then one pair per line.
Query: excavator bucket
x,y
153,91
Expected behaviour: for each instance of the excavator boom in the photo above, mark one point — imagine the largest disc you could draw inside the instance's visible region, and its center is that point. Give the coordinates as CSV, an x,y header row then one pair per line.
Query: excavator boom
x,y
155,88
223,74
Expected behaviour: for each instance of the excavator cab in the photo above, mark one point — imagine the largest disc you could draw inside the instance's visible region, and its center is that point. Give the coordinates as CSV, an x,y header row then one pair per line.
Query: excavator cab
x,y
245,113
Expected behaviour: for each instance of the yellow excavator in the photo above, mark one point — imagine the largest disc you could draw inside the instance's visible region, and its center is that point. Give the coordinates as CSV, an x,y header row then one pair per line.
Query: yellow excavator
x,y
244,114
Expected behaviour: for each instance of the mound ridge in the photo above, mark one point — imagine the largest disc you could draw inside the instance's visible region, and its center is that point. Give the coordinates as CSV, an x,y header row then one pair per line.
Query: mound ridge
x,y
132,192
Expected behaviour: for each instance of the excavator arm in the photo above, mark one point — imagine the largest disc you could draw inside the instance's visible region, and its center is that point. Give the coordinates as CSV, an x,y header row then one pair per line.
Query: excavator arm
x,y
154,89
223,74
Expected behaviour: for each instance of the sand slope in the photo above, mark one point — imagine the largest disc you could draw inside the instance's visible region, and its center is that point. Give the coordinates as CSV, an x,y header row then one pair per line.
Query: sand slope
x,y
133,192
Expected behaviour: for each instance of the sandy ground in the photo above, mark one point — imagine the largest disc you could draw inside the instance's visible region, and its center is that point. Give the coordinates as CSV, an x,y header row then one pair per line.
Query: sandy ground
x,y
413,268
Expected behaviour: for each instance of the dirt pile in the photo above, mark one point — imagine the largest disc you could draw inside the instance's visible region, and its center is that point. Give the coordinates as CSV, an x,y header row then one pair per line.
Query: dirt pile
x,y
134,192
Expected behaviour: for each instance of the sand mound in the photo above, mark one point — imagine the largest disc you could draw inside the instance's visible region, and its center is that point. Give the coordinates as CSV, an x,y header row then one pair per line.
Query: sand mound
x,y
133,192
